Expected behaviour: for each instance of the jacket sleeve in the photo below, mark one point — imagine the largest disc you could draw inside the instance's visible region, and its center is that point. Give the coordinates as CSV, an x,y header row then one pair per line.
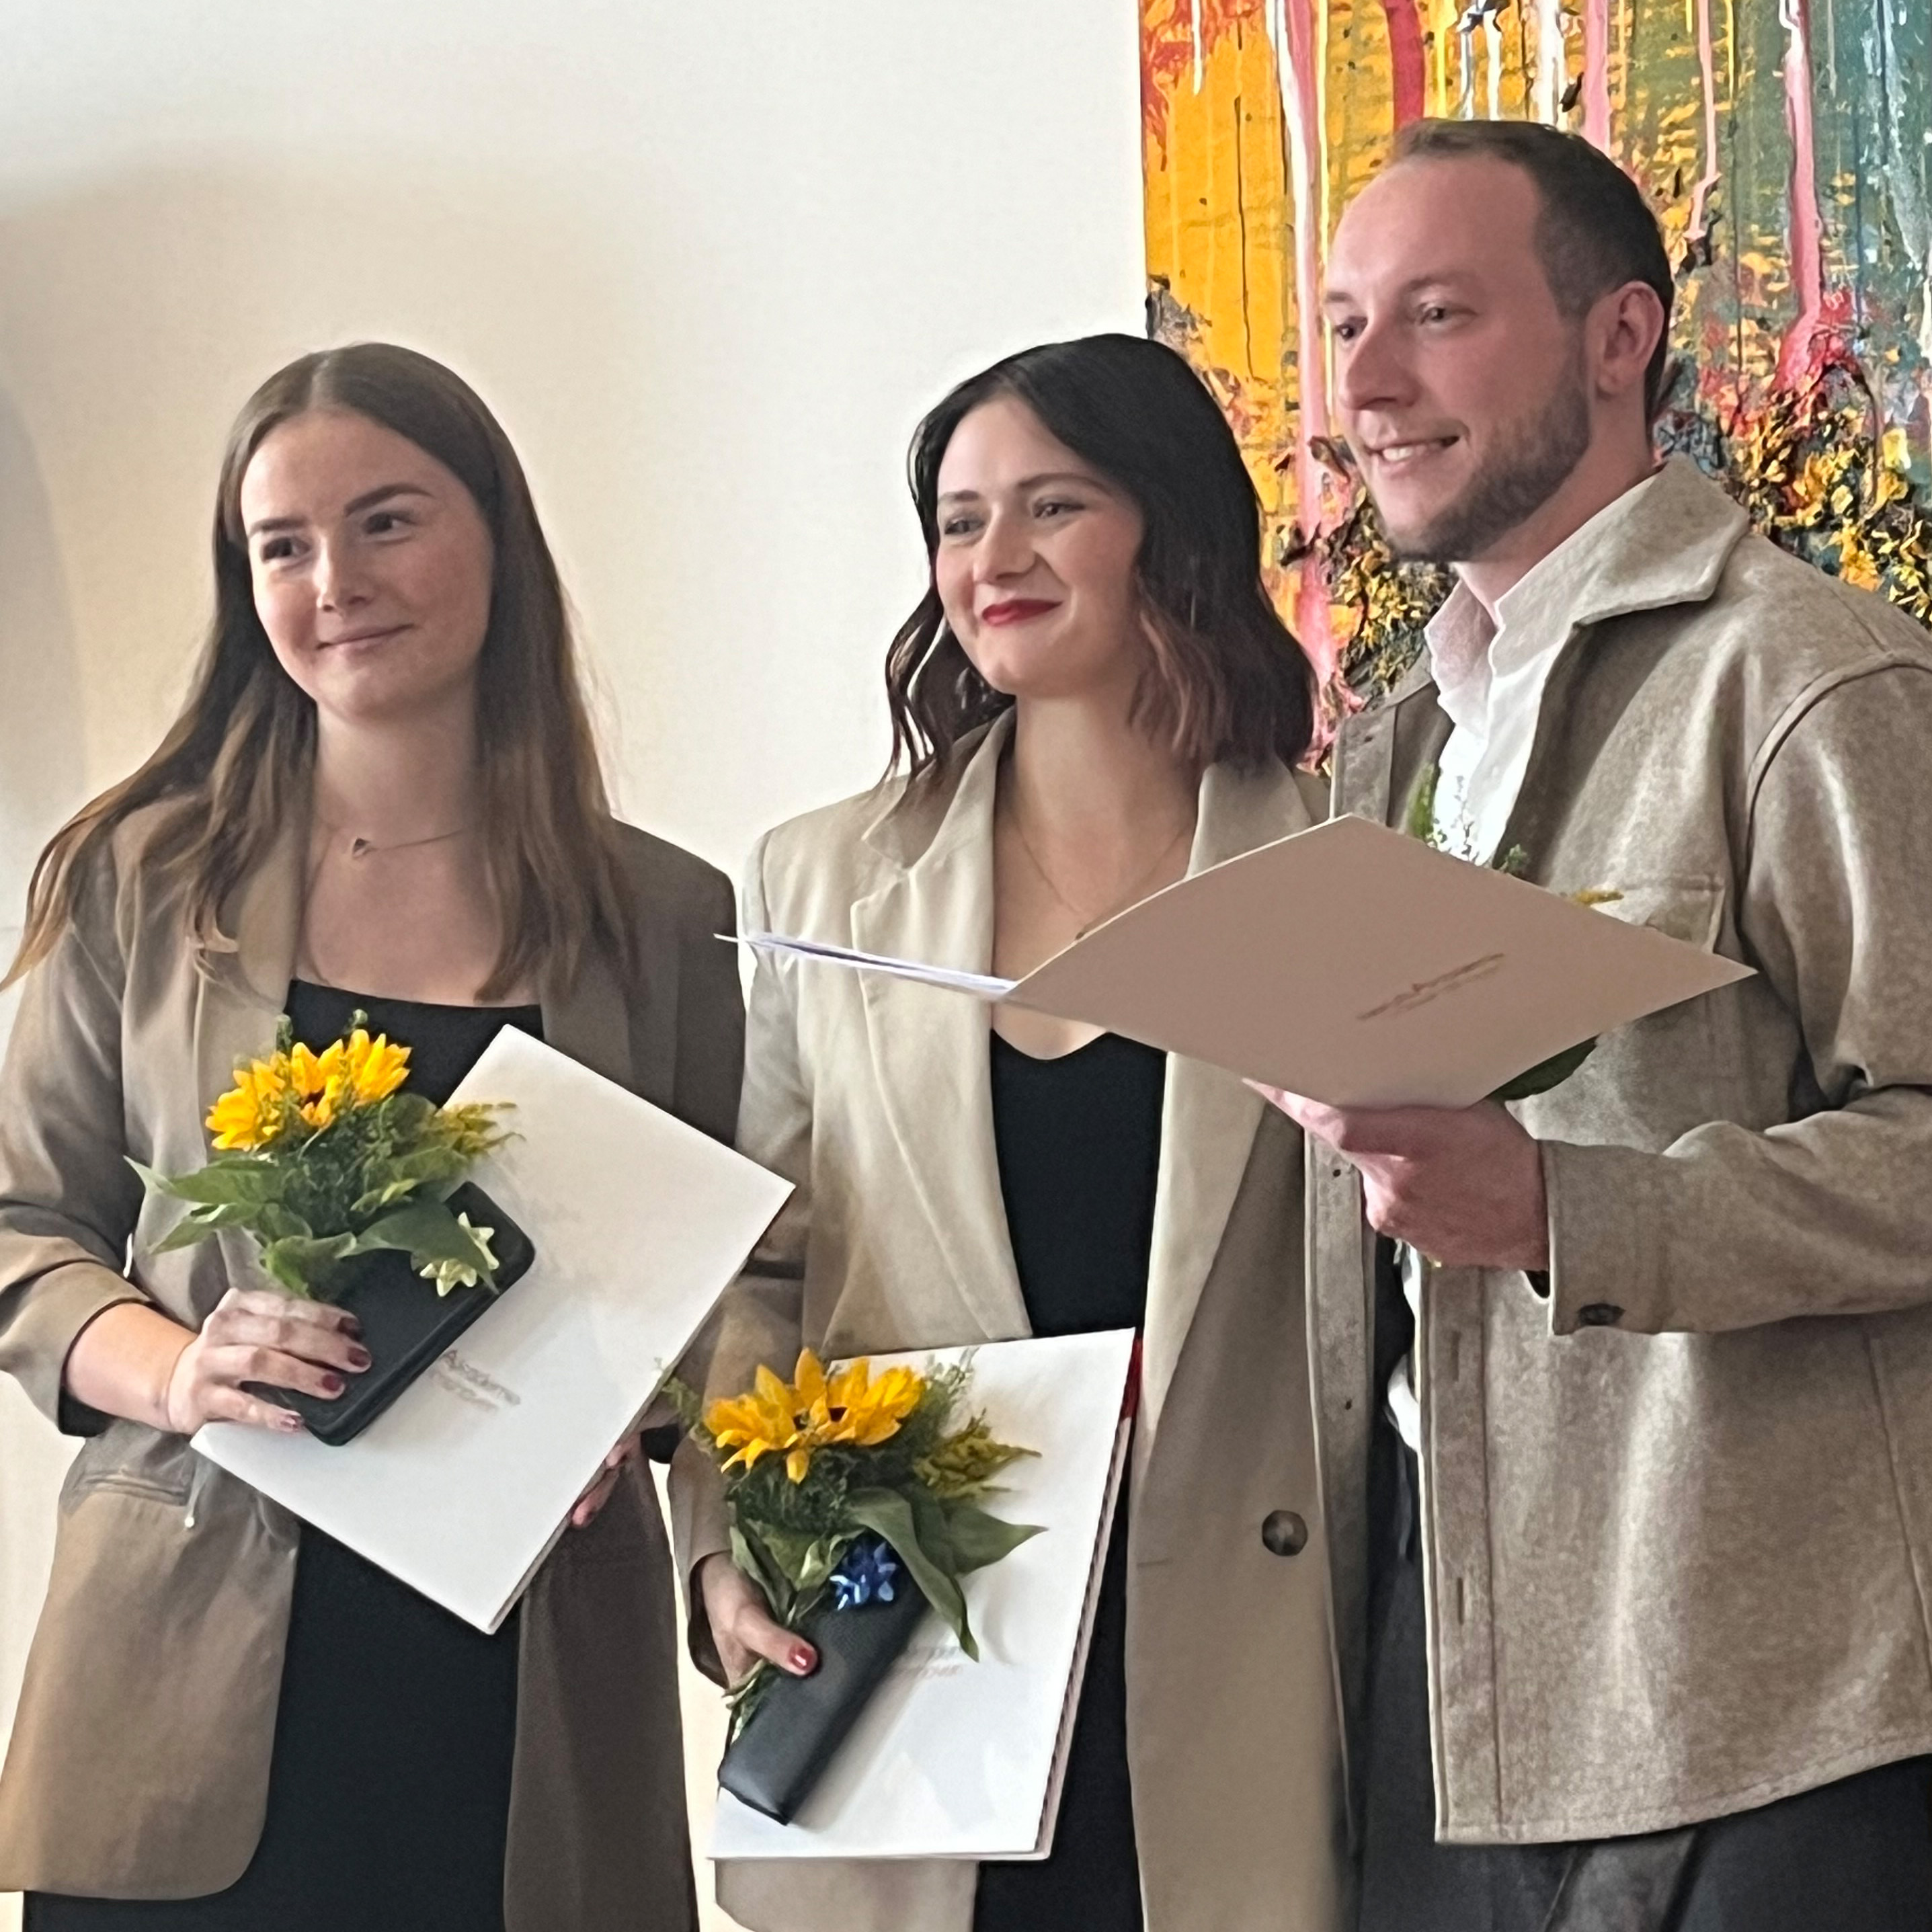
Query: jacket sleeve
x,y
1831,1214
68,1199
759,1319
710,1016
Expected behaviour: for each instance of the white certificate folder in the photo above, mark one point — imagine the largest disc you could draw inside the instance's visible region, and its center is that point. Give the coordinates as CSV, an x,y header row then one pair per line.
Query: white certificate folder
x,y
953,1758
639,1223
1355,965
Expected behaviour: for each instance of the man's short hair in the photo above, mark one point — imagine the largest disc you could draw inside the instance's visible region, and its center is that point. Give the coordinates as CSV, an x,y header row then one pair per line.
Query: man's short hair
x,y
1594,231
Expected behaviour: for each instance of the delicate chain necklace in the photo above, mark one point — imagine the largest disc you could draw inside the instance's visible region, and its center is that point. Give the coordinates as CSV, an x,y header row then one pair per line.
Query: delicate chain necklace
x,y
362,848
1127,897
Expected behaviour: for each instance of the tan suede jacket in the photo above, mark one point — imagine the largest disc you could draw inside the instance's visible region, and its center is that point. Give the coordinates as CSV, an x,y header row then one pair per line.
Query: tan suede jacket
x,y
873,1096
1678,1516
139,1764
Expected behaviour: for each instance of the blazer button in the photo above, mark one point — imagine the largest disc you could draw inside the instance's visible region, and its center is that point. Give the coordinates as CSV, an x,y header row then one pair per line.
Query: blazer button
x,y
1284,1532
1599,1315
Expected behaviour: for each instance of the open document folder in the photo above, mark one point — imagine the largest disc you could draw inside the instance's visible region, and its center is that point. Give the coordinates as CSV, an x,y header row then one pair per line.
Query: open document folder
x,y
1355,965
952,1758
639,1223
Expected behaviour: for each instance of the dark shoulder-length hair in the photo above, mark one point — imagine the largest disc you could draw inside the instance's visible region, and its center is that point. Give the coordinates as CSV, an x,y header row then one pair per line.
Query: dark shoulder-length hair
x,y
239,759
1225,681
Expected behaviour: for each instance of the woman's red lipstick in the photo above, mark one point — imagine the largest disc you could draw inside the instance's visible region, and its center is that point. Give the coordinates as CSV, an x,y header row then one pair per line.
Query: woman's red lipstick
x,y
1017,609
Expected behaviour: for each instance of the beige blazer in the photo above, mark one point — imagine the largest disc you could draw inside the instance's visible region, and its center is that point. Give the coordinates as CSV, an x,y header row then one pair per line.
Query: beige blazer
x,y
139,1764
873,1096
1677,1521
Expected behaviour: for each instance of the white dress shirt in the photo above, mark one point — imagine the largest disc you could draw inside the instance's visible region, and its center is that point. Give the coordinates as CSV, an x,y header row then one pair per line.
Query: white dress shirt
x,y
1489,679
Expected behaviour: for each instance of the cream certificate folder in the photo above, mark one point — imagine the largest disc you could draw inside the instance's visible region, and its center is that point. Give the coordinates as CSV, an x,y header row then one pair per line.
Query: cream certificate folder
x,y
1355,965
639,1223
956,1759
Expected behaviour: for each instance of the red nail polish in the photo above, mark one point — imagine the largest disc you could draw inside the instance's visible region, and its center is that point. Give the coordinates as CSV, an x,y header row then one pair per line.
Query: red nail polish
x,y
334,1385
803,1659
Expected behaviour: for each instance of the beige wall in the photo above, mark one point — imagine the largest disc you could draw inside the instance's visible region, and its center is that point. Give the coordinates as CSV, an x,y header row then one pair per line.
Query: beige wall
x,y
709,262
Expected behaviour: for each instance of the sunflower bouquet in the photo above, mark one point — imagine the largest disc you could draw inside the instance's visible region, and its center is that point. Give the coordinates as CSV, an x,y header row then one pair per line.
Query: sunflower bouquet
x,y
323,1157
847,1492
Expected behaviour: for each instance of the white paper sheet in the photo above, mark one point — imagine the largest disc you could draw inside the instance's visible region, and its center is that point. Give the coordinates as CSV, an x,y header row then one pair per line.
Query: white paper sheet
x,y
956,1759
639,1223
1355,965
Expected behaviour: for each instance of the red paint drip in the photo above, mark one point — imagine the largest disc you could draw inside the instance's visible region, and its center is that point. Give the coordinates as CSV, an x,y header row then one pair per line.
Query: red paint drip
x,y
1797,357
1406,73
1597,73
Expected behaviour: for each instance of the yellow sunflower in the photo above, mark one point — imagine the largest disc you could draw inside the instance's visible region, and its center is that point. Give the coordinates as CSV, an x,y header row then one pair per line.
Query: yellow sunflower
x,y
763,1421
375,1068
355,1073
852,1408
252,1112
812,1412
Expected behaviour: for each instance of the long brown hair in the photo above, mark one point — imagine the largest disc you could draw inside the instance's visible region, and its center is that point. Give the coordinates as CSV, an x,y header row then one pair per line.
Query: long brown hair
x,y
239,758
1226,680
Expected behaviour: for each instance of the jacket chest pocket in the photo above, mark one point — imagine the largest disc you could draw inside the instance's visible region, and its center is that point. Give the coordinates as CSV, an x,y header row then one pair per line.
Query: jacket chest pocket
x,y
1686,907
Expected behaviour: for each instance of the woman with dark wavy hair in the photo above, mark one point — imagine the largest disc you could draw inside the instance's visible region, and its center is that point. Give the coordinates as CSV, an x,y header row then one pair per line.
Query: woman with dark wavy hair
x,y
383,794
1093,697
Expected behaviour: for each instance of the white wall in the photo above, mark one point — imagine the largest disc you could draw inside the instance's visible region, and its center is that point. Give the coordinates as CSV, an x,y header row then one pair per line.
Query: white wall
x,y
709,263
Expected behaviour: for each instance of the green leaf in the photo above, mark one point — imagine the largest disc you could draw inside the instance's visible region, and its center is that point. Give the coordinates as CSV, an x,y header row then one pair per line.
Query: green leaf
x,y
427,1231
429,1163
185,1233
1546,1074
749,1553
155,1184
300,1262
1420,821
219,1184
386,1195
888,1514
275,1222
979,1539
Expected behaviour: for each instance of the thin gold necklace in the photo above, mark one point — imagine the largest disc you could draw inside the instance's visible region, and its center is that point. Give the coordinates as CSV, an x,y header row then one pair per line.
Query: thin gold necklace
x,y
363,848
1126,898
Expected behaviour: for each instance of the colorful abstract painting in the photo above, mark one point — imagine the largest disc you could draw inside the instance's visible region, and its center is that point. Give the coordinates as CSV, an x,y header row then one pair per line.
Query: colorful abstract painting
x,y
1786,145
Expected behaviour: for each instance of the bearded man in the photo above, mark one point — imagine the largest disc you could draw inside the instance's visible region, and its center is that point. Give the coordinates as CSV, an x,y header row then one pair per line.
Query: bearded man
x,y
1637,1623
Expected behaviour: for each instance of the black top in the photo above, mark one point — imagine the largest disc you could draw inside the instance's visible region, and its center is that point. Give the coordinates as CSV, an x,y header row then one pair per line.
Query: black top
x,y
1078,1140
445,1042
389,1790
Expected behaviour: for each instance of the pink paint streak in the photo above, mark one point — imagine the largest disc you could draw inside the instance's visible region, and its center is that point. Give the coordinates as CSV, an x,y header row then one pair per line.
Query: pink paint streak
x,y
1797,357
1406,72
1707,81
1314,624
1597,73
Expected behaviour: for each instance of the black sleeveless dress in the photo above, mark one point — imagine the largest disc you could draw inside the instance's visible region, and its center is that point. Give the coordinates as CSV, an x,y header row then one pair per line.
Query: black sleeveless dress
x,y
389,1792
1078,1139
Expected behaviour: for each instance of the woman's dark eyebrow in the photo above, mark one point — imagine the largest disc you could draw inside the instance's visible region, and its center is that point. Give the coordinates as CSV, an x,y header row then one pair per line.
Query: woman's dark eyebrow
x,y
1079,476
368,500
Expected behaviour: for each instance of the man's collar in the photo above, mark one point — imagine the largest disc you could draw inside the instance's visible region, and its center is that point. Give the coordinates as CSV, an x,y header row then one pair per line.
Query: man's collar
x,y
1663,542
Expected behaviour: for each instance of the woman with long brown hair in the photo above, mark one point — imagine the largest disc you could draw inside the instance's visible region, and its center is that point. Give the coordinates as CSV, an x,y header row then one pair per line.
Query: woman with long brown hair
x,y
383,794
1093,697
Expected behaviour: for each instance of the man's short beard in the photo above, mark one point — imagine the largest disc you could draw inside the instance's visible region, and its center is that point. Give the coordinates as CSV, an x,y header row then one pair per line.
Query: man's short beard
x,y
1515,482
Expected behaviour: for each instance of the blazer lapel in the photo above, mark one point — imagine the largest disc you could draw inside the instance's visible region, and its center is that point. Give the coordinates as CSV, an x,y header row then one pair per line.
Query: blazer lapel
x,y
243,971
930,1048
589,1019
1209,1122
